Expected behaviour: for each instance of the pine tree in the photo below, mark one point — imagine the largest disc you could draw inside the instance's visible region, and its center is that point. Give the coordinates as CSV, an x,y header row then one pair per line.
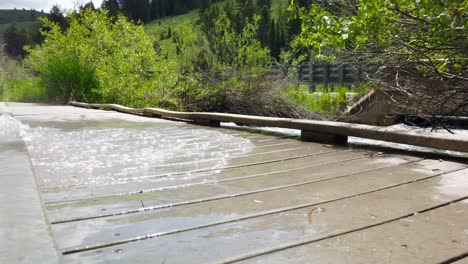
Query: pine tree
x,y
155,9
88,5
137,9
112,6
271,37
15,39
264,8
56,15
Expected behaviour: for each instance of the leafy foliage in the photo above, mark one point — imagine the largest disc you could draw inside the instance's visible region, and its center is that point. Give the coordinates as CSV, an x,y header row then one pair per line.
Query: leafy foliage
x,y
420,30
65,77
422,45
240,51
15,39
326,100
117,53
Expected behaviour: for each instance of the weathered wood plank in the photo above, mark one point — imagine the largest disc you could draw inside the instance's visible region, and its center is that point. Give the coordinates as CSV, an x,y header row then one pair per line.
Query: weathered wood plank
x,y
225,184
433,237
160,173
432,140
245,238
233,207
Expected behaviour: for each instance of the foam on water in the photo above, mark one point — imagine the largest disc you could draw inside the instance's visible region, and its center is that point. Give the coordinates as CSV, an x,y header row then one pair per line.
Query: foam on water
x,y
377,143
10,128
109,154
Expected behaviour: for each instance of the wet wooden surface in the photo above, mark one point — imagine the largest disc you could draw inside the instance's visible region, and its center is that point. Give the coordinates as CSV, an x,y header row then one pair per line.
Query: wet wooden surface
x,y
192,194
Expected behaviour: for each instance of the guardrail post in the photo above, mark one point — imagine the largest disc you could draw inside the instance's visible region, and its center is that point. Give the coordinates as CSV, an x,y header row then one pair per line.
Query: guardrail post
x,y
299,73
311,77
341,74
325,75
357,76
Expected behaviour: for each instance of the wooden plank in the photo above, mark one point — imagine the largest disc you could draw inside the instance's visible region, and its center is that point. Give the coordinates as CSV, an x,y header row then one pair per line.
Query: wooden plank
x,y
25,232
235,207
431,140
249,237
160,173
221,185
432,237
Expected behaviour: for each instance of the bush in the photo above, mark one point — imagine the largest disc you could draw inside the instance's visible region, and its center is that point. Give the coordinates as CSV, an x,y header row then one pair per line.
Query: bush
x,y
66,78
100,59
21,90
325,100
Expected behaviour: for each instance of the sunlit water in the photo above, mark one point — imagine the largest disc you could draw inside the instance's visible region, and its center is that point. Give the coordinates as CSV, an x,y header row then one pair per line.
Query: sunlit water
x,y
78,153
10,128
364,142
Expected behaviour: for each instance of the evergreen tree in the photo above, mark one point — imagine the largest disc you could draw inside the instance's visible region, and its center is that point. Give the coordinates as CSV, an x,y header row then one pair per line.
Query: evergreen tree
x,y
163,7
137,9
15,39
88,5
264,8
155,9
272,38
112,6
56,15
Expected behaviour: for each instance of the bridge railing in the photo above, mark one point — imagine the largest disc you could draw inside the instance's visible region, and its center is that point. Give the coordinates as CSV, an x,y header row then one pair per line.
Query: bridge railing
x,y
325,74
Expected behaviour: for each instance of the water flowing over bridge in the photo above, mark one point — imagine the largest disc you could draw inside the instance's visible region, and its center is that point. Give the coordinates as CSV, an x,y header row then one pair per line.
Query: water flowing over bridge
x,y
96,186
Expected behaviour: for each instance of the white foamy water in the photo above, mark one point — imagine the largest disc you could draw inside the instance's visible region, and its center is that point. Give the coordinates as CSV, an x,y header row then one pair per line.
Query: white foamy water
x,y
10,128
76,153
377,143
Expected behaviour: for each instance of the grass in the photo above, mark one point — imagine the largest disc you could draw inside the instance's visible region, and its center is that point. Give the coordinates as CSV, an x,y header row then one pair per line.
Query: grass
x,y
157,26
326,100
22,90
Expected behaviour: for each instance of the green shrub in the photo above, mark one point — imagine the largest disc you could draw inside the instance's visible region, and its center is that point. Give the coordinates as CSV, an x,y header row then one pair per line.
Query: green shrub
x,y
326,100
101,59
22,90
65,78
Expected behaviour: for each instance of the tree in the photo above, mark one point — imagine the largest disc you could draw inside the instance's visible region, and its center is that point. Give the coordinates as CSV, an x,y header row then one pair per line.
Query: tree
x,y
112,6
15,39
420,44
88,5
56,16
100,59
155,9
239,52
137,9
264,7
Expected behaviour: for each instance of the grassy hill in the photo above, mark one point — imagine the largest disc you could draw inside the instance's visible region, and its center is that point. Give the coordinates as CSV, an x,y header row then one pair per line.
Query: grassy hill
x,y
157,26
30,26
10,16
27,19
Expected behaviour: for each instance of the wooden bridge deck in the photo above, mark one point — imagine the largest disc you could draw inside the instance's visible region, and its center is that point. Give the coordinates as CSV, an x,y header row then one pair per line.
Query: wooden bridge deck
x,y
118,188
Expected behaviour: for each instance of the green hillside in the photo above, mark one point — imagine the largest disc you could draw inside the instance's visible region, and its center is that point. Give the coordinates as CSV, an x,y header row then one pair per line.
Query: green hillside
x,y
27,19
155,27
30,26
9,16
